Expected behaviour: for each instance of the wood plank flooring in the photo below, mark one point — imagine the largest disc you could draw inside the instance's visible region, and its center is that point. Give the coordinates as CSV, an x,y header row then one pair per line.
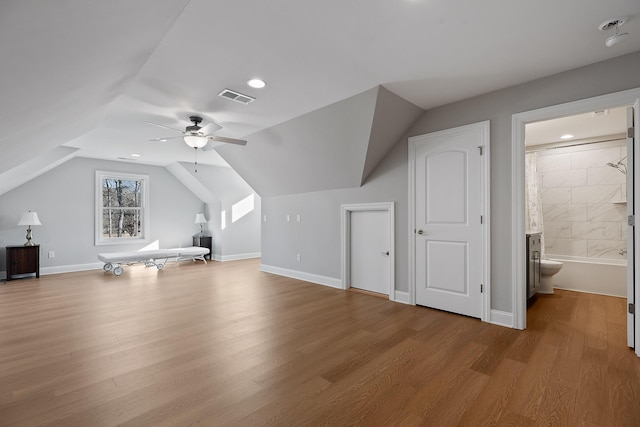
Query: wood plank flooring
x,y
224,344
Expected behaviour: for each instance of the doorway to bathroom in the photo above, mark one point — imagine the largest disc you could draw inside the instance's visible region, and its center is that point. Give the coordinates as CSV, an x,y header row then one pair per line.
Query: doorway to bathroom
x,y
574,190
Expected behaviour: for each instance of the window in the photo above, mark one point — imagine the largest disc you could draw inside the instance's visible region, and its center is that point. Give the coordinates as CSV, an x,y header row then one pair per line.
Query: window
x,y
122,214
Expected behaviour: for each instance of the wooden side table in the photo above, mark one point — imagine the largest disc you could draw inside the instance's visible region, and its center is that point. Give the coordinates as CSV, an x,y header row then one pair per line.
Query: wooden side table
x,y
23,260
204,242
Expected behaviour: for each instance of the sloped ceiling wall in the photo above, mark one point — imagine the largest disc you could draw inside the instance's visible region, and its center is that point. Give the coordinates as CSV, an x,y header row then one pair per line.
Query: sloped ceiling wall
x,y
60,76
337,146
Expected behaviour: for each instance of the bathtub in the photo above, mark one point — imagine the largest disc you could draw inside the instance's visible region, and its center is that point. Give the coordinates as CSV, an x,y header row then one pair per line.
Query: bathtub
x,y
596,276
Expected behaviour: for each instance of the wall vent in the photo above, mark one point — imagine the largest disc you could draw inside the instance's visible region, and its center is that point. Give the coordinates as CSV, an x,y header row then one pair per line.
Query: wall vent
x,y
236,96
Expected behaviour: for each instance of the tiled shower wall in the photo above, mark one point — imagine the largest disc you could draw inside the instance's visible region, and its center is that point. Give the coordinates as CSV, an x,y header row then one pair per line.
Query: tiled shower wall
x,y
583,201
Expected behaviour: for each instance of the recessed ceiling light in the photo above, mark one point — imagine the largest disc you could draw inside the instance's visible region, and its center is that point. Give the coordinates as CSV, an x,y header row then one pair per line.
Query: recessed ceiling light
x,y
256,83
135,155
566,136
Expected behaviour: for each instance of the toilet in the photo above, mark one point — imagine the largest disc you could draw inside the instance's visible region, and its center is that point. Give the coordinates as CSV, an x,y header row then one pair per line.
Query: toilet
x,y
548,269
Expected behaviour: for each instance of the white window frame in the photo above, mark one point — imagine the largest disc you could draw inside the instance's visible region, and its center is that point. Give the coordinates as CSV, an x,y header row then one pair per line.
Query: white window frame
x,y
144,235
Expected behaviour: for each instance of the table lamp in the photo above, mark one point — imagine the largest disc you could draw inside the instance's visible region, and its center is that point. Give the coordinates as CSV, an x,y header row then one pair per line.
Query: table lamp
x,y
29,219
200,219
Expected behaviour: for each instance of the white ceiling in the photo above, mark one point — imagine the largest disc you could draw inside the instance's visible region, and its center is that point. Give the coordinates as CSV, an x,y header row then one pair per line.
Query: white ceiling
x,y
581,126
89,74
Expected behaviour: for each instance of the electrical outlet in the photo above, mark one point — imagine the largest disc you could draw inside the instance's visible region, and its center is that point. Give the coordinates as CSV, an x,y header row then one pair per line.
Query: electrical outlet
x,y
288,217
298,258
265,218
52,254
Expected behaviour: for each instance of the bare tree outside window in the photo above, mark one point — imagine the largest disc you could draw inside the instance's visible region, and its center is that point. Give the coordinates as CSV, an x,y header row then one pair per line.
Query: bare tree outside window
x,y
122,207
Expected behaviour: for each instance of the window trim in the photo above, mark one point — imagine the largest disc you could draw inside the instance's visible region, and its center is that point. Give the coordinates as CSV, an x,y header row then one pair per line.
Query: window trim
x,y
145,233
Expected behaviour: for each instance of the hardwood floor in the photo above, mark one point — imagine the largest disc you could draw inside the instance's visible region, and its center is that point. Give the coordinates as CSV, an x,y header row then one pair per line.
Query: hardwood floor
x,y
225,344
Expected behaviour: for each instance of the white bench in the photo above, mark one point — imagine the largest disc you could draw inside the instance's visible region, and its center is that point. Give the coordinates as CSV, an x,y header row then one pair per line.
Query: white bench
x,y
155,257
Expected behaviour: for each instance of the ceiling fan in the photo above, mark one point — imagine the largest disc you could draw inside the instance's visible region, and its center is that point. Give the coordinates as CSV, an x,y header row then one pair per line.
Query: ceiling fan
x,y
196,136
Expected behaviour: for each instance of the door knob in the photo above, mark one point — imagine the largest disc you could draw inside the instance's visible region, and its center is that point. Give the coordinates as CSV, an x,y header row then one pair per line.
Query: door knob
x,y
420,231
385,253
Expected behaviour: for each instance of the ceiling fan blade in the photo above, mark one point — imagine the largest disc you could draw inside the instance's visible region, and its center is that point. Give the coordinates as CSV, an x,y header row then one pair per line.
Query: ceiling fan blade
x,y
163,126
166,138
210,128
227,140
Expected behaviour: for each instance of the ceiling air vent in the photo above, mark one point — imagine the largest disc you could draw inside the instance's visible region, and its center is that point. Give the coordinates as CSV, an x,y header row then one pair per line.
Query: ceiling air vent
x,y
236,96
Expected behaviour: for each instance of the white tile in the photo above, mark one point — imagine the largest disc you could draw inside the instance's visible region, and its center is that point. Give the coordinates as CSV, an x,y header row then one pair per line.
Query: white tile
x,y
564,212
595,158
606,249
595,194
597,230
607,212
553,162
557,229
556,196
568,178
604,176
566,247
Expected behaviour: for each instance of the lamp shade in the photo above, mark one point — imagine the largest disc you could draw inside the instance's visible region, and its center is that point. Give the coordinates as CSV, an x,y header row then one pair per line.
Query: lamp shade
x,y
195,141
30,218
200,218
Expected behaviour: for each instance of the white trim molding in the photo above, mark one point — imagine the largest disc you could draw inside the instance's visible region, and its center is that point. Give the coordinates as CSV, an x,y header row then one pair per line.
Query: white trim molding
x,y
301,275
345,215
71,268
401,297
501,318
236,257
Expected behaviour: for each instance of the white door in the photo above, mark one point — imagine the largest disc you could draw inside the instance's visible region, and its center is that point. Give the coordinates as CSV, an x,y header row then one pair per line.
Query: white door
x,y
449,203
630,233
370,249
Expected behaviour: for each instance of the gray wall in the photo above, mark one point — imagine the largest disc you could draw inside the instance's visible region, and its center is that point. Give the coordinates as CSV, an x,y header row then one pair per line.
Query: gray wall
x,y
65,202
317,237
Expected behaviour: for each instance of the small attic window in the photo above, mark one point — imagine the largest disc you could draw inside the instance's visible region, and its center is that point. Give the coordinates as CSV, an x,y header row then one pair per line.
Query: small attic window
x,y
122,214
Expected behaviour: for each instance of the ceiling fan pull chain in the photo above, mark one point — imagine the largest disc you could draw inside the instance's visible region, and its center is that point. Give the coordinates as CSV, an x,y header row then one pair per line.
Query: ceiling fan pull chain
x,y
196,162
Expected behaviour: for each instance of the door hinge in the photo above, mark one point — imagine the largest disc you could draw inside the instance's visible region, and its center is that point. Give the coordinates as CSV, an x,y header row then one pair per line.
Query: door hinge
x,y
481,288
631,220
481,219
480,148
630,132
632,308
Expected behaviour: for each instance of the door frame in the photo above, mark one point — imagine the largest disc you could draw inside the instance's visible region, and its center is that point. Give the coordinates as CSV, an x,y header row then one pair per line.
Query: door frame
x,y
345,215
629,97
484,129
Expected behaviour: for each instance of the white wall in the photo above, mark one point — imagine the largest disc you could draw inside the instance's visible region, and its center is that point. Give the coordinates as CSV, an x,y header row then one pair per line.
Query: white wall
x,y
240,238
583,212
65,203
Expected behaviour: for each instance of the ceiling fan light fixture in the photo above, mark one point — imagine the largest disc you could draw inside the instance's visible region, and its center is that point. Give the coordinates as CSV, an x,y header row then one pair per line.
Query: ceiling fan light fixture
x,y
615,39
618,36
195,141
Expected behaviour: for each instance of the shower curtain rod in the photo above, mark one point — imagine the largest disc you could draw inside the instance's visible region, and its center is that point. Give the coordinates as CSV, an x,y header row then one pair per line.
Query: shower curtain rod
x,y
575,145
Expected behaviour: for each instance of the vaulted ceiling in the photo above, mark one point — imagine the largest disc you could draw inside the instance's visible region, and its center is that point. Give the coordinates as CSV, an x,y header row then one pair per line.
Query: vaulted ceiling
x,y
80,78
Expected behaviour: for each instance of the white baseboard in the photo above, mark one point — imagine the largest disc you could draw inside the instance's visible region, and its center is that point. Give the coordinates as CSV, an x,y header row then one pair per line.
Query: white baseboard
x,y
301,275
71,268
401,296
63,269
590,292
501,318
236,257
